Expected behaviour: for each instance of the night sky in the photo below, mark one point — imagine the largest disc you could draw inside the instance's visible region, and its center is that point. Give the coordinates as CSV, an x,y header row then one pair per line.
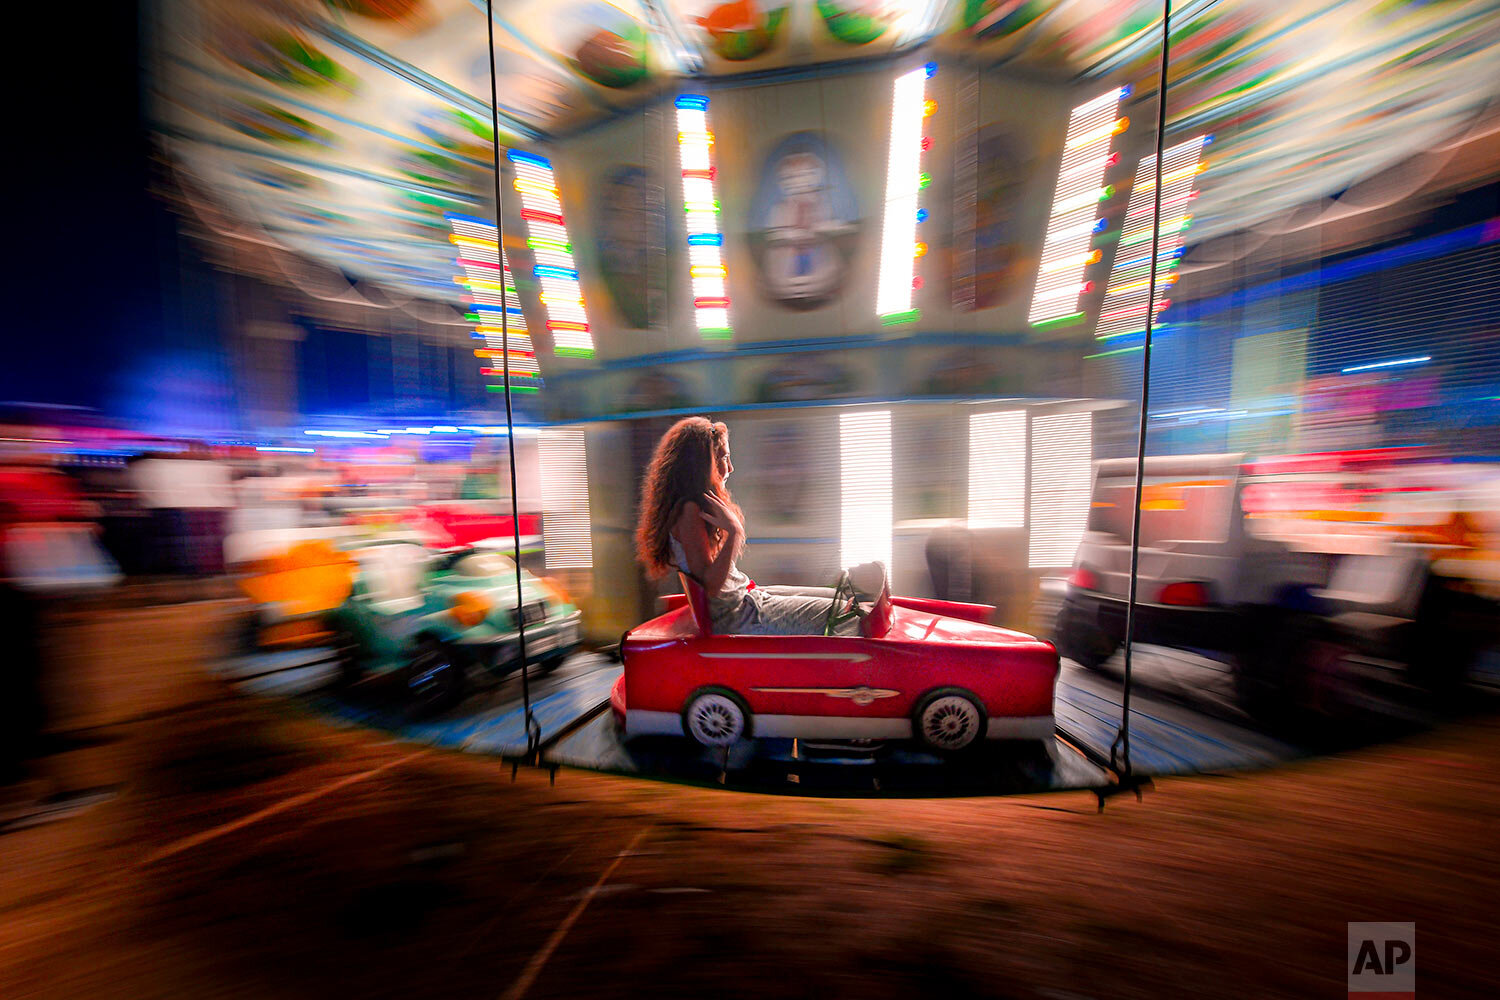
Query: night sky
x,y
92,250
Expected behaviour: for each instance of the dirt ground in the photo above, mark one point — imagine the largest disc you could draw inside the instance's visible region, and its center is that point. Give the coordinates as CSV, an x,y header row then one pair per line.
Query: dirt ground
x,y
255,851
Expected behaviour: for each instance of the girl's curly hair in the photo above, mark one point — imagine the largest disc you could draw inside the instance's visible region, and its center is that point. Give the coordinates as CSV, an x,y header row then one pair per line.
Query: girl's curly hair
x,y
684,466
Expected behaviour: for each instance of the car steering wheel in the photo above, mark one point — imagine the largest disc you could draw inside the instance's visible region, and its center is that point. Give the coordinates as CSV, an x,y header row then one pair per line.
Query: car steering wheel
x,y
844,606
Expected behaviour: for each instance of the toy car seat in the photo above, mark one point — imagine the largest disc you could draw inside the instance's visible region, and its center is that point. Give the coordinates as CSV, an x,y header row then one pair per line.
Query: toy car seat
x,y
1377,591
697,602
873,586
878,620
393,577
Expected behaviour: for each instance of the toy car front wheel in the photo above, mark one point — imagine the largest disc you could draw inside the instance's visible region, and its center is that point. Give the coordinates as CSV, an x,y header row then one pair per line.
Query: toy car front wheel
x,y
550,662
1081,641
435,679
949,720
716,718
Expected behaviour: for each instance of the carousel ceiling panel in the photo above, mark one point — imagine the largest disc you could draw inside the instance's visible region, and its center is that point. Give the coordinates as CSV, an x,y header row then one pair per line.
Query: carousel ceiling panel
x,y
347,128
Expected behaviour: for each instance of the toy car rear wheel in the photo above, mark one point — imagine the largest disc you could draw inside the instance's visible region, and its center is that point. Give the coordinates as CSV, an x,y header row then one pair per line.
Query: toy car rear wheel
x,y
716,717
347,658
435,679
1293,680
949,720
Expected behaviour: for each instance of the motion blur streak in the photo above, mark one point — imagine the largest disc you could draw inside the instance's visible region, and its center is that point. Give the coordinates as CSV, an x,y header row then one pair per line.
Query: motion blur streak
x,y
273,525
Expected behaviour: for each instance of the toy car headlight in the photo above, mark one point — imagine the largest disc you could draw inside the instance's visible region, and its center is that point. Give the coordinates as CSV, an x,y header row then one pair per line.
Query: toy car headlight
x,y
558,592
469,608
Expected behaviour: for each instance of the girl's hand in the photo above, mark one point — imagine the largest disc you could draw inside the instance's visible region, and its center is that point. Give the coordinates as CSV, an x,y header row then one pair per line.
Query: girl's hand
x,y
720,516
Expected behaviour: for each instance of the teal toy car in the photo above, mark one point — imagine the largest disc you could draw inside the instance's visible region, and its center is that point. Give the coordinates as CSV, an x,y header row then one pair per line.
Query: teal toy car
x,y
430,615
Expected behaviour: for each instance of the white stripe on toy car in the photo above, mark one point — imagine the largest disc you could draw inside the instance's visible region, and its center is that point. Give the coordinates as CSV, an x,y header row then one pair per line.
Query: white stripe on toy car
x,y
848,657
858,695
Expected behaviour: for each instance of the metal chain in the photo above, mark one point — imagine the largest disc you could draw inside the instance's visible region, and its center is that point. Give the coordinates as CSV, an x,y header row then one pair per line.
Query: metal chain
x,y
533,729
1119,750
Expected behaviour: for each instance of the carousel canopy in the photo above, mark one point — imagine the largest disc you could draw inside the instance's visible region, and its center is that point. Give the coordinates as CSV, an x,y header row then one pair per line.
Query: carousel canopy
x,y
344,129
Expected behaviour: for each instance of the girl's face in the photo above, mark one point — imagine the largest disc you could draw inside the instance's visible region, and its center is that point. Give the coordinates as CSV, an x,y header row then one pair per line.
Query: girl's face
x,y
725,465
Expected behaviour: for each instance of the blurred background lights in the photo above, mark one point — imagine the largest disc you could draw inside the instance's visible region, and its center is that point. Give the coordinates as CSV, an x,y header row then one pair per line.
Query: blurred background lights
x,y
1091,126
997,469
555,268
496,308
865,486
567,527
1061,476
1125,299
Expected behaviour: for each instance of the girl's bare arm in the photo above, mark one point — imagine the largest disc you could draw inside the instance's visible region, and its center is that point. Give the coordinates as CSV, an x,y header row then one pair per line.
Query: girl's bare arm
x,y
691,530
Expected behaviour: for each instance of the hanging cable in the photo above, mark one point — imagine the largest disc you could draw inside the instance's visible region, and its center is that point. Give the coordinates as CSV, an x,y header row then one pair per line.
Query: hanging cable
x,y
533,730
1119,750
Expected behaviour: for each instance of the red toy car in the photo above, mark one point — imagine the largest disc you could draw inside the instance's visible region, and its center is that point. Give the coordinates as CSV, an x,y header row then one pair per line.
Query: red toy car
x,y
450,525
927,669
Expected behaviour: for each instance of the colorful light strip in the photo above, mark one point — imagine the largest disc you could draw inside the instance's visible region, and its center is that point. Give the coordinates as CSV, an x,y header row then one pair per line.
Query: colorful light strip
x,y
492,291
552,251
1124,308
1071,222
904,182
1398,363
700,203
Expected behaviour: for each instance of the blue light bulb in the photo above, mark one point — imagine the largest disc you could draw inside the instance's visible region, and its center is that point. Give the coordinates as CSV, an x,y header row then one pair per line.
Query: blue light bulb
x,y
921,215
931,69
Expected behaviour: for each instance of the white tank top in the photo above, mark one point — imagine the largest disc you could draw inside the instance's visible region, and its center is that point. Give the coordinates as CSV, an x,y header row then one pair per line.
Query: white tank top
x,y
727,605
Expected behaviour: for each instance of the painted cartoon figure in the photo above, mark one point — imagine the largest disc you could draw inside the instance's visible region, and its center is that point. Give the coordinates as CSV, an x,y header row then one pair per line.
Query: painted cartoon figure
x,y
631,231
996,256
806,219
